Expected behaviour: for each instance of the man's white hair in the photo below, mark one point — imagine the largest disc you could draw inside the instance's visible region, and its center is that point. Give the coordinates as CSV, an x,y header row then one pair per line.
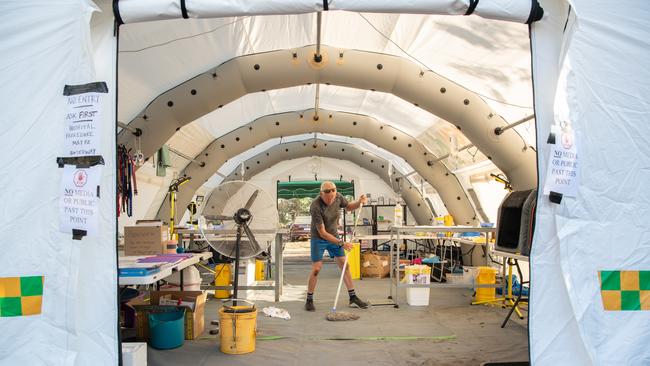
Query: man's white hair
x,y
326,183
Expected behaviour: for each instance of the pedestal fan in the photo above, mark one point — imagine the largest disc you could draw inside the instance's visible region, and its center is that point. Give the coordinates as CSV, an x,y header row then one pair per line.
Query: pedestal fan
x,y
245,211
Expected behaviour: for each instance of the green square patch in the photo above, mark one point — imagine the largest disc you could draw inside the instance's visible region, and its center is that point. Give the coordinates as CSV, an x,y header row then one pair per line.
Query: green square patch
x,y
10,306
644,280
31,286
630,300
610,280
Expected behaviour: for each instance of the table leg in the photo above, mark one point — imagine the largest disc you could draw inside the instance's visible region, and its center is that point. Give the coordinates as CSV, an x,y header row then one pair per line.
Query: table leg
x,y
182,280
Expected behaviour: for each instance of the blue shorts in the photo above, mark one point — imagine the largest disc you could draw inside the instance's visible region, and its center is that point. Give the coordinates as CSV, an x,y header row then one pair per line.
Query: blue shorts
x,y
318,247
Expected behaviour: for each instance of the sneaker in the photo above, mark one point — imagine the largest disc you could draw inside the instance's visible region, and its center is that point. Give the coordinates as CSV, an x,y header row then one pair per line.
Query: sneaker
x,y
309,305
356,302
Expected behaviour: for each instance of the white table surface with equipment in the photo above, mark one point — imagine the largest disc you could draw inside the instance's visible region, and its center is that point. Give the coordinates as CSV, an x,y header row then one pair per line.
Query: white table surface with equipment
x,y
195,235
399,233
166,269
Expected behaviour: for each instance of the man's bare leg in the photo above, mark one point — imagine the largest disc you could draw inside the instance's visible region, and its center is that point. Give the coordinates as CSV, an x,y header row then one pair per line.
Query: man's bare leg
x,y
313,276
347,278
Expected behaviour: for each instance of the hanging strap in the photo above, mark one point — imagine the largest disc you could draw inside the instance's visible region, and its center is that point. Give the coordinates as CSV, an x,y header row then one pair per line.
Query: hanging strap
x,y
472,7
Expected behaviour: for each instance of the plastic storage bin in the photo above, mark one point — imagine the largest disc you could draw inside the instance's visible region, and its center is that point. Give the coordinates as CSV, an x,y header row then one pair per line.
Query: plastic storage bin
x,y
222,278
354,261
167,330
486,276
421,275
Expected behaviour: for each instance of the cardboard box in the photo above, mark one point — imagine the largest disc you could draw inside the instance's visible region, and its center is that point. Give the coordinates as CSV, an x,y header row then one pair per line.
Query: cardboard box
x,y
374,265
145,240
194,319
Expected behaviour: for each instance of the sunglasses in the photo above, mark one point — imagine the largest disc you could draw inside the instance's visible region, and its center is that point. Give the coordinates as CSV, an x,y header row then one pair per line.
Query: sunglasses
x,y
329,190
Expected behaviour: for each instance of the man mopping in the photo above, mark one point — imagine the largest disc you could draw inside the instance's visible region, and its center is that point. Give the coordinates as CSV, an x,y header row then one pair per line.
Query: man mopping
x,y
325,212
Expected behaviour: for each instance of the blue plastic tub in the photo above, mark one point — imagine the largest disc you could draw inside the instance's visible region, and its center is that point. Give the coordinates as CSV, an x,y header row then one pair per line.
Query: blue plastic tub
x,y
167,330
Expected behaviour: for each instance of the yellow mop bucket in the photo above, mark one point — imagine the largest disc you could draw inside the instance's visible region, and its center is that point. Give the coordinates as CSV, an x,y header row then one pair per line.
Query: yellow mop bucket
x,y
222,278
486,276
238,328
354,261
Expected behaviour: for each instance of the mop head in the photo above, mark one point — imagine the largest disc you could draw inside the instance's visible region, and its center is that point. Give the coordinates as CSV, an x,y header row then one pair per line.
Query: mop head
x,y
341,316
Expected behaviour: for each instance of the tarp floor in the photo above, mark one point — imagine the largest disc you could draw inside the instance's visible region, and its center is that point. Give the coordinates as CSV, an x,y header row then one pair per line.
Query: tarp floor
x,y
449,331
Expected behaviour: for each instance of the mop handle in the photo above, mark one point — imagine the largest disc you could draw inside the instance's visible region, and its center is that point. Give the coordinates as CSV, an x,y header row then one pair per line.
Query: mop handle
x,y
345,264
338,291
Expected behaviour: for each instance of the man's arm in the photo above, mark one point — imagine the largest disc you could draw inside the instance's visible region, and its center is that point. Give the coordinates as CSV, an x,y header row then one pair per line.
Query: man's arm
x,y
325,235
354,205
331,238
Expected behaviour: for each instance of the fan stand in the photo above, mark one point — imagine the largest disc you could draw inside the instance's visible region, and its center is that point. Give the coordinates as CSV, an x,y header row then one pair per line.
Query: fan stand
x,y
242,217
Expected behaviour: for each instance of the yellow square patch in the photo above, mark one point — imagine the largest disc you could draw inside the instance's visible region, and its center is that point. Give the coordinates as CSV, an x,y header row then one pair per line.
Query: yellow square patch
x,y
9,286
630,280
611,300
31,304
645,300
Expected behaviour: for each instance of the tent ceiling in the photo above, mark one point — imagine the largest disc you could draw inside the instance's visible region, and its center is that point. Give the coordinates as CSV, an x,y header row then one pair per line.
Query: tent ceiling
x,y
344,151
227,168
491,58
278,69
273,126
488,57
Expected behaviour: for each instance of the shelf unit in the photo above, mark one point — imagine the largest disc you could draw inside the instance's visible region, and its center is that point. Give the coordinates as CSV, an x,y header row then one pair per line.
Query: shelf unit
x,y
374,220
399,233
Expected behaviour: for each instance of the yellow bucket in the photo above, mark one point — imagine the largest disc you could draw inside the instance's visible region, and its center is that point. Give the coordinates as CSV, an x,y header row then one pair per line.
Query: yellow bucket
x,y
486,276
259,270
222,278
238,328
354,261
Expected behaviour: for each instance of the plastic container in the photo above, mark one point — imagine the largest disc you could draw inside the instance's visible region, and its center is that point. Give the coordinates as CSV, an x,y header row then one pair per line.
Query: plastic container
x,y
134,354
486,276
421,275
171,246
222,278
238,328
354,261
167,330
259,270
191,280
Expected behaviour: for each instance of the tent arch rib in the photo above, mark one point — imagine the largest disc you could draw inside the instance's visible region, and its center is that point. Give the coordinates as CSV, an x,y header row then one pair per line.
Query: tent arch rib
x,y
356,69
337,150
336,123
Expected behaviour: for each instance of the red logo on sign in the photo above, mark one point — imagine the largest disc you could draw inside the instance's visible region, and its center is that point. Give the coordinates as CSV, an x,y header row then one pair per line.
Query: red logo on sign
x,y
567,140
80,178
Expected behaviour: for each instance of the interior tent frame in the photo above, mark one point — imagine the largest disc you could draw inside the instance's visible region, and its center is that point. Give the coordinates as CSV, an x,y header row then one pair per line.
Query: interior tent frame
x,y
583,53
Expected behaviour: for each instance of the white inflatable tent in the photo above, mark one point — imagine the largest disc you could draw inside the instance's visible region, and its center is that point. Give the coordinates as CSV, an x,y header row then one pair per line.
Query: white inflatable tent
x,y
590,260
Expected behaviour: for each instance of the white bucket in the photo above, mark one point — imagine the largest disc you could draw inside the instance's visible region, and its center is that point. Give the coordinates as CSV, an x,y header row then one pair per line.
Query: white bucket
x,y
418,296
191,280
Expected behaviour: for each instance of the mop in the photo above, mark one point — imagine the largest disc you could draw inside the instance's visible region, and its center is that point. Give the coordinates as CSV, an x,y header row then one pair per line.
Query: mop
x,y
342,315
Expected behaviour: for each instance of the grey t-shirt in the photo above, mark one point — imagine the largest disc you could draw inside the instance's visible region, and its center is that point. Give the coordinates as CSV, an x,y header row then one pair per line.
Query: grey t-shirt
x,y
327,215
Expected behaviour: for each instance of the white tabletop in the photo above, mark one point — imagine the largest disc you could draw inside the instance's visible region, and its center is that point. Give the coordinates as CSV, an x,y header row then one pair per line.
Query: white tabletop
x,y
417,237
166,269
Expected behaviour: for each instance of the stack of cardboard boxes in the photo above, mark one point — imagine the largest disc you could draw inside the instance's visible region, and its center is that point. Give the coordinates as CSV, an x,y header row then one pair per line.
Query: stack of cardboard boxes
x,y
160,301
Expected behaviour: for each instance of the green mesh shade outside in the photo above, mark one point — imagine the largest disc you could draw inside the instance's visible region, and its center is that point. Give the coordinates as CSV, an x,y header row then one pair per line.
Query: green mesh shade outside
x,y
311,188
